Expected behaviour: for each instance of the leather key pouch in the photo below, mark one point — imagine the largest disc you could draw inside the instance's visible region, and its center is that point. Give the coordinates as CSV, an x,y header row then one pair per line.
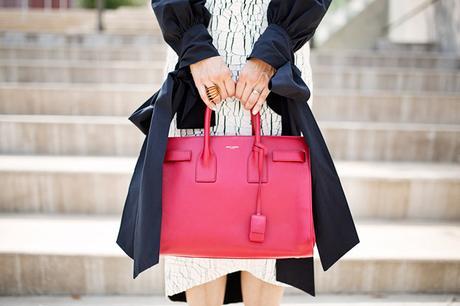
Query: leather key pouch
x,y
257,231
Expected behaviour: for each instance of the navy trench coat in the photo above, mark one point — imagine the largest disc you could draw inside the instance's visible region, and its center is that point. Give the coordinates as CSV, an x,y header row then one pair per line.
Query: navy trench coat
x,y
184,25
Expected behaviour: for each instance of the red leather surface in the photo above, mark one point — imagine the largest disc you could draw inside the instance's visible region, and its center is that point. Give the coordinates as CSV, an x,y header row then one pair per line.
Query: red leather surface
x,y
177,155
212,205
288,155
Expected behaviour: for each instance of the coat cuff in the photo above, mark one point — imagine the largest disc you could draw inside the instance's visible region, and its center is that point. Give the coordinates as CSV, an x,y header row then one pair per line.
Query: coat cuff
x,y
273,46
196,44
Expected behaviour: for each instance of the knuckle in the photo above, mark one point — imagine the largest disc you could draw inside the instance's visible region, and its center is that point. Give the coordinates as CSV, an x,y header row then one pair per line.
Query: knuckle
x,y
219,76
265,78
227,74
213,75
251,79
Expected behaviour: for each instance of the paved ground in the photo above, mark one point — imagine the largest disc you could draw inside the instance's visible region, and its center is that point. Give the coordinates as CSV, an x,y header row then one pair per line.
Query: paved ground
x,y
291,300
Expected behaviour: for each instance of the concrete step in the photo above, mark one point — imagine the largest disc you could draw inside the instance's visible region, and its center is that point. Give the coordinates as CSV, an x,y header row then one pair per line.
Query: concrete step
x,y
73,53
142,72
377,299
78,255
390,79
353,58
382,141
77,41
79,20
75,135
69,184
49,21
365,58
113,100
115,135
381,106
387,106
126,72
73,99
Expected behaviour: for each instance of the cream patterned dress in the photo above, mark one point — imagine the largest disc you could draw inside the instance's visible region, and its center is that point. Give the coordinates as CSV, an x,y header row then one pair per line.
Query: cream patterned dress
x,y
235,26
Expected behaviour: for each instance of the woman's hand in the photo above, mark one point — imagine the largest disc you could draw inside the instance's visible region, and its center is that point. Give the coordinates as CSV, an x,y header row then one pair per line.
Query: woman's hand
x,y
255,75
213,71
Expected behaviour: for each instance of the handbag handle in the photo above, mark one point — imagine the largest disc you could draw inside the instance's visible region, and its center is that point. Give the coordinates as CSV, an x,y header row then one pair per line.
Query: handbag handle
x,y
206,168
255,123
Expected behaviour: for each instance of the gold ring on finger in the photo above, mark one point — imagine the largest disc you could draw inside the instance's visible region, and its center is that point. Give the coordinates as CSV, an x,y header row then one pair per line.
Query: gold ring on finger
x,y
212,92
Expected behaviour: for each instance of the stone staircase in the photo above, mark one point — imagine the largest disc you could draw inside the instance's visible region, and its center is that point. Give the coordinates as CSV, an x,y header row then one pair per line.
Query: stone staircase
x,y
67,151
124,20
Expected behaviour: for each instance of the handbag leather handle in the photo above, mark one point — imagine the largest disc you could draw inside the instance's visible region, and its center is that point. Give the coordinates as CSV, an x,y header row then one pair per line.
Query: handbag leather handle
x,y
206,167
255,122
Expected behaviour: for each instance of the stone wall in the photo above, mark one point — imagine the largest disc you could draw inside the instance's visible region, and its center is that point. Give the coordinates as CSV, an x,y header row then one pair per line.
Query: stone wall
x,y
447,14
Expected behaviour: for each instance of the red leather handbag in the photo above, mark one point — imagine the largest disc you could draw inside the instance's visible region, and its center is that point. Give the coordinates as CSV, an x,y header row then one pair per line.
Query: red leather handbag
x,y
241,196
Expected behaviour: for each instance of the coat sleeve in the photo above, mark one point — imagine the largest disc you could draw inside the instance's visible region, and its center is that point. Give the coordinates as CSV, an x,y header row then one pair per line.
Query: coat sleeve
x,y
291,23
183,24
